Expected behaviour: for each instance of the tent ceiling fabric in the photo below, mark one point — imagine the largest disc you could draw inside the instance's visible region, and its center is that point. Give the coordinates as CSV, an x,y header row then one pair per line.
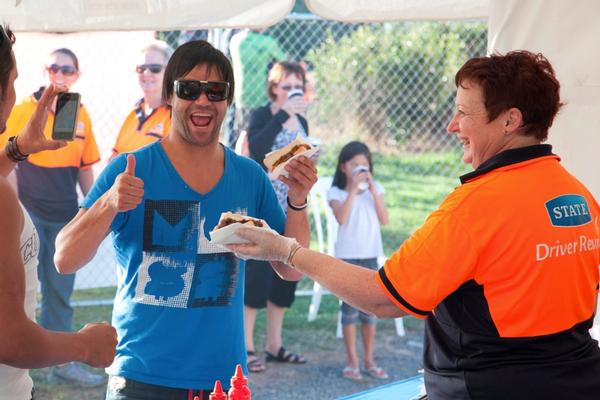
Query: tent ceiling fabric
x,y
95,15
397,10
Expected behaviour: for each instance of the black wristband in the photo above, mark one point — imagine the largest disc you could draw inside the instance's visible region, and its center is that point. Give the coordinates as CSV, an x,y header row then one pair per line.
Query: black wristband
x,y
12,150
297,208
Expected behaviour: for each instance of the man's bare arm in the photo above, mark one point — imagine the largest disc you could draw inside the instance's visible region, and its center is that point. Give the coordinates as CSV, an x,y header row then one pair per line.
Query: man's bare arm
x,y
78,241
24,344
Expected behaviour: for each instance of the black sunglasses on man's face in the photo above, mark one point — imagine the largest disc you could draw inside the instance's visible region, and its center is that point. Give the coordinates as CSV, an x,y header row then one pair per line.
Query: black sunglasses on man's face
x,y
191,90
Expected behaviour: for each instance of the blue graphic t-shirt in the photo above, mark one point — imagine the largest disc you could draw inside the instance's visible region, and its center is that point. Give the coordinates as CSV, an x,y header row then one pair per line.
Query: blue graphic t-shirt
x,y
179,305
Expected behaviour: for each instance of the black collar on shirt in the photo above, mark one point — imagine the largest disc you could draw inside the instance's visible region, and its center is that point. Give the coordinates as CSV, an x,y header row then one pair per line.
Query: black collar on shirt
x,y
140,114
38,94
509,157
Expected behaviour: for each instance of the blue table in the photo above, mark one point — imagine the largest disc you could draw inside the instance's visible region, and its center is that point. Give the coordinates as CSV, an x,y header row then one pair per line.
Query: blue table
x,y
405,389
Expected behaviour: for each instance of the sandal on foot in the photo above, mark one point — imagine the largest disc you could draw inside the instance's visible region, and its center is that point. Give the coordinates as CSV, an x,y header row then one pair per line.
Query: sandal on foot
x,y
284,356
352,373
376,372
253,363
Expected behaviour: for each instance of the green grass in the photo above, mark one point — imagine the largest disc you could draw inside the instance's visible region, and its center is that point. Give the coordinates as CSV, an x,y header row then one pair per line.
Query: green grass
x,y
415,184
94,294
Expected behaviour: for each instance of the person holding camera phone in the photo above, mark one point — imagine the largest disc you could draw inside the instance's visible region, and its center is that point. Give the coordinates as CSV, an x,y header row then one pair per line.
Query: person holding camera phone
x,y
358,205
47,184
272,127
23,343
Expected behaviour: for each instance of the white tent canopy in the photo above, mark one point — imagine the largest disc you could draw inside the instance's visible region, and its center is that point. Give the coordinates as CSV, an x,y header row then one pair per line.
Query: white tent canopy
x,y
101,15
396,10
565,31
93,15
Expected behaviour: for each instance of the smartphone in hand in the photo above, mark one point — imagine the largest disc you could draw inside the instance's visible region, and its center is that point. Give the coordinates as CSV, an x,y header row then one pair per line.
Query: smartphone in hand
x,y
65,118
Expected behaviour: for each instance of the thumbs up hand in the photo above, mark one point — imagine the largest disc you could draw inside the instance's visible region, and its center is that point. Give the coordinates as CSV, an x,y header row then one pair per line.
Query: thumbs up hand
x,y
128,190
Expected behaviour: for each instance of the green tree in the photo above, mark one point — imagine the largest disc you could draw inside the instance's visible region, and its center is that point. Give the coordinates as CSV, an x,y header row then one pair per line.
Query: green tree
x,y
393,80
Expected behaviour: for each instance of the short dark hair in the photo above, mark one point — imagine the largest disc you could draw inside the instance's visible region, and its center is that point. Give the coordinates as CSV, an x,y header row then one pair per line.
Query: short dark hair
x,y
187,56
69,53
280,71
348,152
519,79
7,62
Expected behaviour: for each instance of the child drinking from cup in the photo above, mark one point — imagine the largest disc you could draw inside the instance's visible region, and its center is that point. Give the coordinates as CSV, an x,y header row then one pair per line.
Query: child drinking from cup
x,y
358,205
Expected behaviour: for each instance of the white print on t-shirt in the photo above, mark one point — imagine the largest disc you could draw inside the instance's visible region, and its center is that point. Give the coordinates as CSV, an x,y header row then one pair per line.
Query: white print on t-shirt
x,y
544,251
180,268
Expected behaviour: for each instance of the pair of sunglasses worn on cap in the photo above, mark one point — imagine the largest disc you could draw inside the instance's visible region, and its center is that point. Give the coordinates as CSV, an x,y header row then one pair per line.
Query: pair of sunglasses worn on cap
x,y
191,89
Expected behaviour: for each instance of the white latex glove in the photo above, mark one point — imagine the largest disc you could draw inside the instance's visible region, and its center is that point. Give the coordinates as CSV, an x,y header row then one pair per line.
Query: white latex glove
x,y
264,245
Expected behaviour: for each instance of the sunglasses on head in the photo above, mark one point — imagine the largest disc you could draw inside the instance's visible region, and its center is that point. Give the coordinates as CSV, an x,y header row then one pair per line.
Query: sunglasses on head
x,y
287,88
191,90
66,70
154,68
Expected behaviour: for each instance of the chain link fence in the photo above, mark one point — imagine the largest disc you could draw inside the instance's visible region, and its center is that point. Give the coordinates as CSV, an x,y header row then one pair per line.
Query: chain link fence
x,y
388,84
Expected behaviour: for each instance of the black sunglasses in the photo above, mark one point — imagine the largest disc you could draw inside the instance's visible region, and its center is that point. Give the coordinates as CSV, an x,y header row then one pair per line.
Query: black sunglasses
x,y
154,68
66,70
287,88
191,90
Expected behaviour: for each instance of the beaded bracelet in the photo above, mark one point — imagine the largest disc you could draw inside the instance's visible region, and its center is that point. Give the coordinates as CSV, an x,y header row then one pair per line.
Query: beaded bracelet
x,y
12,150
293,251
295,207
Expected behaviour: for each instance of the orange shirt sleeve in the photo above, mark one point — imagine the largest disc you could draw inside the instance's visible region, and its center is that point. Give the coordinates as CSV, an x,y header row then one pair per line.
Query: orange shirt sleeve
x,y
90,154
437,259
17,120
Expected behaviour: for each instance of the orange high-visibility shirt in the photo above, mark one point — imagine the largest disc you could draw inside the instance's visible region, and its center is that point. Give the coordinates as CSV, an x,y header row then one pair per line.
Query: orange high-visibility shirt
x,y
139,130
47,180
506,273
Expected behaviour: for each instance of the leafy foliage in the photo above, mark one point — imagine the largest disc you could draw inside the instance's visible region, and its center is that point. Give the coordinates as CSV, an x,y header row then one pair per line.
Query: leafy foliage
x,y
393,81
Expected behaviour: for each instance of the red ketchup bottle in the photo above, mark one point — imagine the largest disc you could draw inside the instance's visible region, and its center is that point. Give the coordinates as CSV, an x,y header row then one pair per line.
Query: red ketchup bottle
x,y
239,386
218,393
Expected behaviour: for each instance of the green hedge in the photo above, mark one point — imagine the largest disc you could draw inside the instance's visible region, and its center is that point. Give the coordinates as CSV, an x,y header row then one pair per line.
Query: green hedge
x,y
392,80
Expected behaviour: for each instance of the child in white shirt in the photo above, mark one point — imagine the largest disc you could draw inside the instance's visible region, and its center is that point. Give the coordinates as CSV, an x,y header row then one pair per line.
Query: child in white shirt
x,y
358,205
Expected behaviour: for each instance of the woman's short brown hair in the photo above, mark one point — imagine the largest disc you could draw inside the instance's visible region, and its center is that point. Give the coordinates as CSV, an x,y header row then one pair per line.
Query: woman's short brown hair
x,y
519,79
280,71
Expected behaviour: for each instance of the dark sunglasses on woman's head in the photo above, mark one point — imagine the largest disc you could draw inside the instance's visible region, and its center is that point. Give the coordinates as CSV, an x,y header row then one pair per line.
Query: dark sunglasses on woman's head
x,y
191,90
287,88
66,70
154,68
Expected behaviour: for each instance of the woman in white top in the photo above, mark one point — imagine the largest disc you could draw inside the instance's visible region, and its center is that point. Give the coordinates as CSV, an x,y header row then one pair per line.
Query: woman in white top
x,y
24,344
358,205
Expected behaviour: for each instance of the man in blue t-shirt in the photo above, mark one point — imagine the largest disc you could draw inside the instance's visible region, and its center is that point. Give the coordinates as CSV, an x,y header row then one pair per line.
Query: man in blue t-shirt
x,y
179,304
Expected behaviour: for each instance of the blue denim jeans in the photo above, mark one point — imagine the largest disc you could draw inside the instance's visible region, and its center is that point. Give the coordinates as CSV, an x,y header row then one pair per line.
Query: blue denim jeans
x,y
56,311
350,314
120,388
